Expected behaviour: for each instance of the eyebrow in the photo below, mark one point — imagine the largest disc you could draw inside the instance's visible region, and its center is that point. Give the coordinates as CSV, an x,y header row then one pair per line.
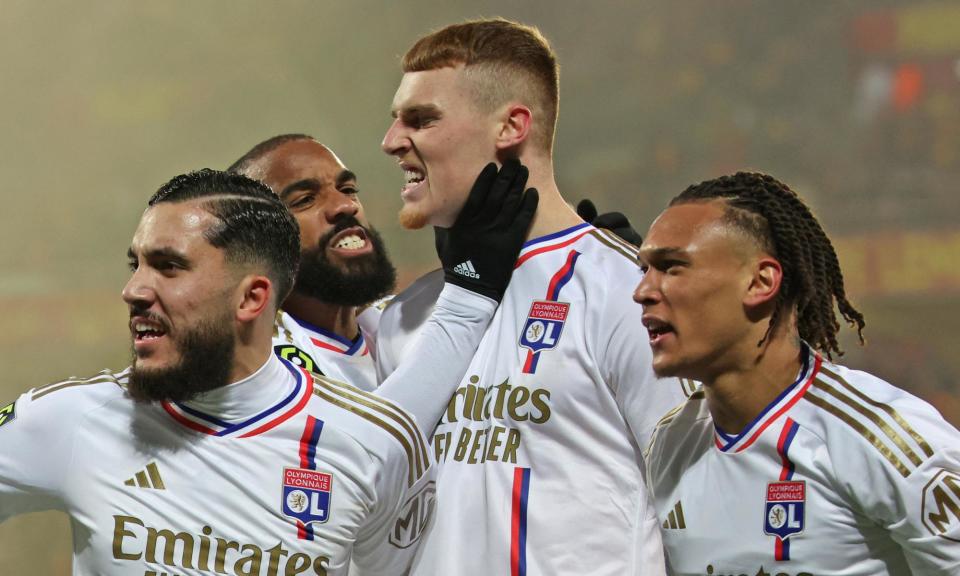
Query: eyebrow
x,y
165,252
305,184
661,253
345,176
416,109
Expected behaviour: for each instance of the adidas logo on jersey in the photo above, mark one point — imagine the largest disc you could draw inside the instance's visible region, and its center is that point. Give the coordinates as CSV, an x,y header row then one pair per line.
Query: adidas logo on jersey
x,y
147,478
674,520
466,269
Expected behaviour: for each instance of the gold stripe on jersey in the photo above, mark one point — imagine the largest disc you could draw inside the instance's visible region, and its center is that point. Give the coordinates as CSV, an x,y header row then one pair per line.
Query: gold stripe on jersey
x,y
862,430
873,416
689,387
103,377
886,408
390,409
611,240
324,390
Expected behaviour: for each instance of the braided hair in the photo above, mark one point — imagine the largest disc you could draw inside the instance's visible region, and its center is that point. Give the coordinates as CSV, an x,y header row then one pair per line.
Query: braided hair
x,y
773,215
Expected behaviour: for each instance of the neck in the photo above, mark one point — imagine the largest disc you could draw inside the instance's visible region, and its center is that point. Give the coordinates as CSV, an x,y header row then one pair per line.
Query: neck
x,y
253,347
740,392
553,212
341,320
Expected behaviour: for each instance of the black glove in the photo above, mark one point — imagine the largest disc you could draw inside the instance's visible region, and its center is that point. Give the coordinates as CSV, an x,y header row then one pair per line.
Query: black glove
x,y
480,250
615,222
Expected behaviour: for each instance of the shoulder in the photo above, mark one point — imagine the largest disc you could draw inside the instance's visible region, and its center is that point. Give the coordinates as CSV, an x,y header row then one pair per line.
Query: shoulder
x,y
685,423
387,431
680,436
858,416
66,401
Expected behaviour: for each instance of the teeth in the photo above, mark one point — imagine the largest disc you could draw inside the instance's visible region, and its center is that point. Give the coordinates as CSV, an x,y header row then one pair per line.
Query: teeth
x,y
142,327
412,176
351,242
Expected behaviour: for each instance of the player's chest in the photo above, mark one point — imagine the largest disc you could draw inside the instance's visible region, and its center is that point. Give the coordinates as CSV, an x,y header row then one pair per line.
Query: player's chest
x,y
755,513
232,506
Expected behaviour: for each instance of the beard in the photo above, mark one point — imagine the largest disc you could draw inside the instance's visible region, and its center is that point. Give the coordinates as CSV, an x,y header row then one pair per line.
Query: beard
x,y
206,357
355,282
412,217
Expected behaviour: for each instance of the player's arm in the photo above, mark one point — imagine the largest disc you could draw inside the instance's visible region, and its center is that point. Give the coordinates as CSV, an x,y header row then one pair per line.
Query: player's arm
x,y
34,452
387,542
911,487
478,254
625,360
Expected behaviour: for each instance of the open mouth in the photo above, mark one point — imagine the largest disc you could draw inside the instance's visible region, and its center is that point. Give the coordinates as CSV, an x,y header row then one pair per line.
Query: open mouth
x,y
145,330
412,177
350,240
657,329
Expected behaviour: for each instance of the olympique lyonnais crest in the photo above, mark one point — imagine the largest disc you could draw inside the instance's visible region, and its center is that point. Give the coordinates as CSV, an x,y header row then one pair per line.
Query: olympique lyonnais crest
x,y
306,494
544,325
784,510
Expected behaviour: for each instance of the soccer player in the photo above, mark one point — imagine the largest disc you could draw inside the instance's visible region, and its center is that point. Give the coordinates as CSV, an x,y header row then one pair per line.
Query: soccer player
x,y
343,265
211,454
539,446
783,463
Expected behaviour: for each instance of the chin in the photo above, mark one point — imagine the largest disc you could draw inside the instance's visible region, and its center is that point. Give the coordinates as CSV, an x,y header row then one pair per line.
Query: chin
x,y
413,218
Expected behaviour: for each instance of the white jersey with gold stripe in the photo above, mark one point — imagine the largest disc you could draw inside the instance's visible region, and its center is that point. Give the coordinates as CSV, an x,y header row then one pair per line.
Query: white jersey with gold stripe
x,y
324,352
538,450
841,474
281,473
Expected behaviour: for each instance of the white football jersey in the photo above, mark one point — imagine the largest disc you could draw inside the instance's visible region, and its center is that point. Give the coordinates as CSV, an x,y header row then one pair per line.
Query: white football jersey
x,y
324,352
841,474
281,473
538,450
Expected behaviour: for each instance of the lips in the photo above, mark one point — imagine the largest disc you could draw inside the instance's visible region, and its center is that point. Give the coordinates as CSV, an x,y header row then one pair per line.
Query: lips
x,y
353,239
656,328
147,331
413,177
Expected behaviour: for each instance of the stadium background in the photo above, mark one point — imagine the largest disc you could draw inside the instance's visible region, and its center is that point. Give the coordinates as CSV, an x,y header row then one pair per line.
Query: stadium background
x,y
856,104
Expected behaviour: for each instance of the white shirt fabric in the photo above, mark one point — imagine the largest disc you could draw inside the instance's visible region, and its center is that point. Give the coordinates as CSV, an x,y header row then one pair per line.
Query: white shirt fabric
x,y
538,449
842,474
324,352
203,487
280,473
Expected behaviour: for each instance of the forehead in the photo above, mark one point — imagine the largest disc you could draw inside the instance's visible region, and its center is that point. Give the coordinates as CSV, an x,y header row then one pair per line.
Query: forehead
x,y
295,161
695,227
174,226
445,88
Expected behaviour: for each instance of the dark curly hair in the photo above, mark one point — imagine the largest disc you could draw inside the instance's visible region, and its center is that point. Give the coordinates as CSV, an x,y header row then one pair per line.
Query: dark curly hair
x,y
254,226
771,213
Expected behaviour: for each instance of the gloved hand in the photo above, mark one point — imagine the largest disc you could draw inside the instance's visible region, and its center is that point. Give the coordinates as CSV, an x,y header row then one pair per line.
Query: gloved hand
x,y
615,222
480,250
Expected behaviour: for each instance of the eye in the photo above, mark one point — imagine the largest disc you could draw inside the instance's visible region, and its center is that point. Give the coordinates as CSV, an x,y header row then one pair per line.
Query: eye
x,y
349,189
132,264
302,201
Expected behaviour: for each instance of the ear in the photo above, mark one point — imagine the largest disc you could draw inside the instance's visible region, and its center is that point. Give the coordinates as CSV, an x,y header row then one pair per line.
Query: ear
x,y
515,127
765,283
255,294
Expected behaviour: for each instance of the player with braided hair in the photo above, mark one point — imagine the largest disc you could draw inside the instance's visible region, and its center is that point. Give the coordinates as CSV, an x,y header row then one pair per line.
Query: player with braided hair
x,y
812,279
812,468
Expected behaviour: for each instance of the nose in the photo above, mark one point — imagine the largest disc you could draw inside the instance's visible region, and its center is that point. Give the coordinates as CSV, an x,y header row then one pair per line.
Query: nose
x,y
341,205
137,292
395,141
646,292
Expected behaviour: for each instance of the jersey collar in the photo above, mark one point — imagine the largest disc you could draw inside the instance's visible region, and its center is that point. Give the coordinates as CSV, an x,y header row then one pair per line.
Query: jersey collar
x,y
272,394
732,443
551,242
331,341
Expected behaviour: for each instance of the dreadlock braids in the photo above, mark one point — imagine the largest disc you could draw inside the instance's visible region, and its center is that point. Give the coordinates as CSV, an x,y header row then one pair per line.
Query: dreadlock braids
x,y
771,213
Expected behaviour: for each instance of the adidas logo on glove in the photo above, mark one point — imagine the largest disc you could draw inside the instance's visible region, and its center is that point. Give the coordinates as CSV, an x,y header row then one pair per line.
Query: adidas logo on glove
x,y
466,269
